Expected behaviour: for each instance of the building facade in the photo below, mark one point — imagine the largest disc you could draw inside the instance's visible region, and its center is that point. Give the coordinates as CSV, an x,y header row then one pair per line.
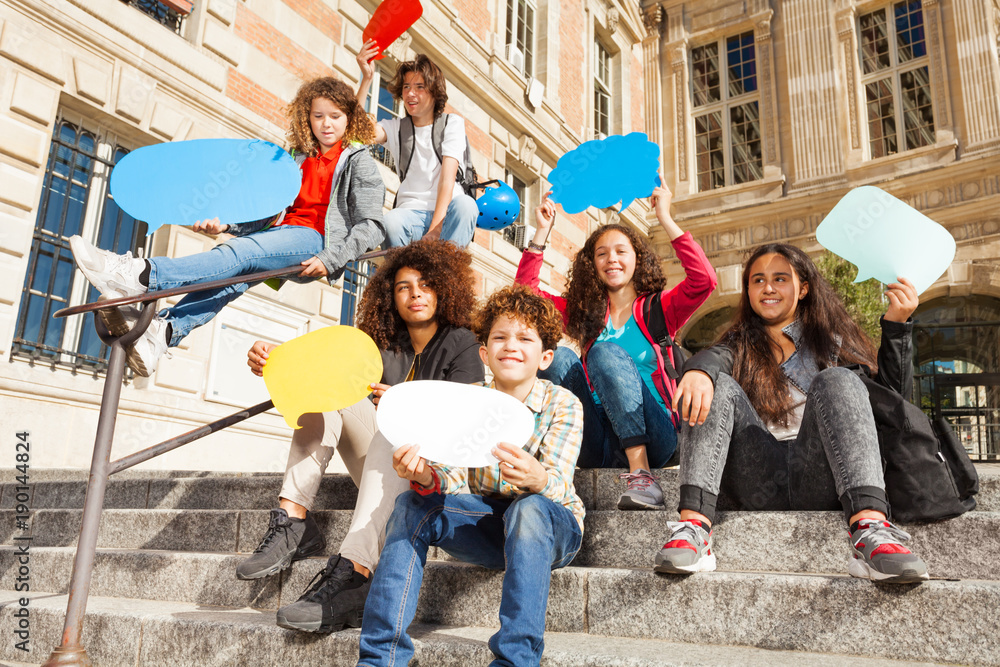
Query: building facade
x,y
773,110
83,82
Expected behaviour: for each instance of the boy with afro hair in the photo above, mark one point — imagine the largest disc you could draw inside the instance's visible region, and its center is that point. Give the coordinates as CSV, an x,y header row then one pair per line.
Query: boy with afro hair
x,y
521,515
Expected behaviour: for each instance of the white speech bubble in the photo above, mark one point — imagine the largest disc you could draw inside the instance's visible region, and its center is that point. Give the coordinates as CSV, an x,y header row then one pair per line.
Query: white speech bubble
x,y
886,239
454,424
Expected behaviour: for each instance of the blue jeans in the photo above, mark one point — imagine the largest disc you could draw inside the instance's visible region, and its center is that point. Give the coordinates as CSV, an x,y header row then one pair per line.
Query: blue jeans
x,y
628,414
833,463
529,537
405,225
273,248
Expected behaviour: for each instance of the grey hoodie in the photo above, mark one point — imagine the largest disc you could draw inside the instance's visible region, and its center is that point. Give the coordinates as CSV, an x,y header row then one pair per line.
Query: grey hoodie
x,y
354,216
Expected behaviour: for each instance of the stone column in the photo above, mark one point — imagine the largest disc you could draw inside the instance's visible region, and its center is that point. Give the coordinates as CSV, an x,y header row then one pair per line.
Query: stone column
x,y
977,71
812,90
652,18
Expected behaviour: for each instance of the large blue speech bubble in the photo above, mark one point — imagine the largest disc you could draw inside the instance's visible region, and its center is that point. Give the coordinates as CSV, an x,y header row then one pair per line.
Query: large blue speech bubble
x,y
886,238
182,182
603,172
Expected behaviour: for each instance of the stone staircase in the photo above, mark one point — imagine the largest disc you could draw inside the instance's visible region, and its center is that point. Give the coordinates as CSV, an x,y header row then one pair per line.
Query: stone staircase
x,y
164,590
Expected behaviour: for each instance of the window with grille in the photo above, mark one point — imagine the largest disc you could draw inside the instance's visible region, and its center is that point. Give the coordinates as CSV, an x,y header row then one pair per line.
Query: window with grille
x,y
75,200
514,234
521,35
896,78
383,106
166,13
726,106
602,90
356,275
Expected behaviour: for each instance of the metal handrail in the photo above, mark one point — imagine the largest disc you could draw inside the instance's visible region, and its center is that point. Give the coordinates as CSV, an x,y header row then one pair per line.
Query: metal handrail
x,y
71,650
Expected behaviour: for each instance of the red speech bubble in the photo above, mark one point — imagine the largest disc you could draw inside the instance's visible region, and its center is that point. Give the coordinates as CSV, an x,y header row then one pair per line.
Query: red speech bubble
x,y
390,20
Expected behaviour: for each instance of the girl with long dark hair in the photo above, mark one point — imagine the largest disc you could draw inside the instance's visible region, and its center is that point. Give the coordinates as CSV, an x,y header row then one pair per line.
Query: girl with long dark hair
x,y
772,418
622,378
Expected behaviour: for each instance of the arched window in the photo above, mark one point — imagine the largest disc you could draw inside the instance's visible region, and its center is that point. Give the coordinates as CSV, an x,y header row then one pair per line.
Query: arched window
x,y
957,368
706,331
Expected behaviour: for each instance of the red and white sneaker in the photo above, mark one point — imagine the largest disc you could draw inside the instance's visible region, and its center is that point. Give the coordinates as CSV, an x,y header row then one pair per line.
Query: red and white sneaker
x,y
880,556
688,549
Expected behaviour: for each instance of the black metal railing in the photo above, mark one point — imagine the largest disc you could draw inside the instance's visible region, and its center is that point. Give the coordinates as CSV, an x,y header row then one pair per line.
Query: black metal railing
x,y
159,12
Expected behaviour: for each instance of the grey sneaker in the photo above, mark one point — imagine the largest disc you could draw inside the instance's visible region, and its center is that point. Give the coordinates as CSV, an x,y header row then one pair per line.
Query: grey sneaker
x,y
641,492
144,354
286,541
334,600
688,549
113,275
879,556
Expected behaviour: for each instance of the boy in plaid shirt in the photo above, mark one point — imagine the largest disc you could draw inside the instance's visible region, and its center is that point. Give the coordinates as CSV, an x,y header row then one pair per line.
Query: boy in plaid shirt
x,y
521,514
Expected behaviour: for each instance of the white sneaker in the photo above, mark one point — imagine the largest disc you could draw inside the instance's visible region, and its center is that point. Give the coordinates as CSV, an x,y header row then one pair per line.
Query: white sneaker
x,y
114,276
145,353
119,321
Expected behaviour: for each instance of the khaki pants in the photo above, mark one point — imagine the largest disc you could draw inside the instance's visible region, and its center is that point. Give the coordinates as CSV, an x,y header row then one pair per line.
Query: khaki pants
x,y
368,457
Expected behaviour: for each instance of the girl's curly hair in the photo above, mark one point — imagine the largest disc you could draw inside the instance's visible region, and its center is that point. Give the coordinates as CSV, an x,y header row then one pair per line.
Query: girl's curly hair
x,y
827,330
520,303
434,81
445,267
587,297
300,135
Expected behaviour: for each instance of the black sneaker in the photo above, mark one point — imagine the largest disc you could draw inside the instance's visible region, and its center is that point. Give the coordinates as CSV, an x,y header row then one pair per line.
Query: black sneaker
x,y
286,541
334,600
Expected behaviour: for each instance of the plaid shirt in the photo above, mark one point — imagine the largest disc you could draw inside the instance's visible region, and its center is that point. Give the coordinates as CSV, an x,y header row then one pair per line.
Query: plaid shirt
x,y
555,443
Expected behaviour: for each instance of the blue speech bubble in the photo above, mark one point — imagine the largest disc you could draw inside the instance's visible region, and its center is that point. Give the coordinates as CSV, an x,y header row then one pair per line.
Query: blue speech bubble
x,y
182,182
603,172
886,238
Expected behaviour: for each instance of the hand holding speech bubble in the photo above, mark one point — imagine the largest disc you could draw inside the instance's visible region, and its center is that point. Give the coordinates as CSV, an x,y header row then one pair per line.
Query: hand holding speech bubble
x,y
603,172
886,238
182,182
322,371
454,424
391,19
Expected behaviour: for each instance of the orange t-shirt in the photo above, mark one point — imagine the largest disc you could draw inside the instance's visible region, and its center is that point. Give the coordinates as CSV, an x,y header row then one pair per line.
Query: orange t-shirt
x,y
309,208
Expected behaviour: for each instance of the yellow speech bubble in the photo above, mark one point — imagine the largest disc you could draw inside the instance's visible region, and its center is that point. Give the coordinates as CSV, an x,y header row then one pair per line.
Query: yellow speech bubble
x,y
322,371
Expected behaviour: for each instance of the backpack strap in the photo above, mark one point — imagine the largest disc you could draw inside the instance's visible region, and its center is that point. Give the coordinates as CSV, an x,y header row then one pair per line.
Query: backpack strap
x,y
656,325
407,142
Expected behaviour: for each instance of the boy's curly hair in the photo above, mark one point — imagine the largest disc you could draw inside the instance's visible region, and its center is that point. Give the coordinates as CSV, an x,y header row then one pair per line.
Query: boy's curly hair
x,y
433,80
300,135
446,268
587,296
520,303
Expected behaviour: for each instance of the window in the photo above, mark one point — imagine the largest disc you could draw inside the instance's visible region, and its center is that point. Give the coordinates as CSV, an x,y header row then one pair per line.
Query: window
x,y
75,200
521,35
726,107
385,106
895,74
168,13
356,278
515,234
602,90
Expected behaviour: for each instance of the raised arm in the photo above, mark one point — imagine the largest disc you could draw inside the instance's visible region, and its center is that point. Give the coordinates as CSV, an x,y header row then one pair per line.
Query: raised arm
x,y
365,58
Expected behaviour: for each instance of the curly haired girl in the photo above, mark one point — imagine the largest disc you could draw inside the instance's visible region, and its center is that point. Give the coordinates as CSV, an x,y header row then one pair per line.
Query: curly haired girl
x,y
336,217
417,308
622,378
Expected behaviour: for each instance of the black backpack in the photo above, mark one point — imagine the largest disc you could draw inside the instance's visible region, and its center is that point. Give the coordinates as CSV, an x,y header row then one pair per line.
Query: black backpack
x,y
465,175
928,474
656,325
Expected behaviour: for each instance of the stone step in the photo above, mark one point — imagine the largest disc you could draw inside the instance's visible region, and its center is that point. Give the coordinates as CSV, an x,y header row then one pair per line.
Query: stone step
x,y
136,632
963,548
599,490
950,621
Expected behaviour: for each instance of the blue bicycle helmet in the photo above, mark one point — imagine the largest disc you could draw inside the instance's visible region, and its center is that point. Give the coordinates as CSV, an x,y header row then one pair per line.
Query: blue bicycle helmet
x,y
498,207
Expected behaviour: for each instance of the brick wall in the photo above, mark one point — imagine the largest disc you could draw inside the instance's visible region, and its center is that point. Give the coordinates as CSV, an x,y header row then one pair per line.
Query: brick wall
x,y
247,93
572,64
475,16
638,94
320,15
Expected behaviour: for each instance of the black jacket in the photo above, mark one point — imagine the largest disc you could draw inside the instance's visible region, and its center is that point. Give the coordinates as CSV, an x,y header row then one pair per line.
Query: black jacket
x,y
452,355
895,354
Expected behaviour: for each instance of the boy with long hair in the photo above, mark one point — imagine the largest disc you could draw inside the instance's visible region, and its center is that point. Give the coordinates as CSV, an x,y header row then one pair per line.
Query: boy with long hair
x,y
521,515
428,147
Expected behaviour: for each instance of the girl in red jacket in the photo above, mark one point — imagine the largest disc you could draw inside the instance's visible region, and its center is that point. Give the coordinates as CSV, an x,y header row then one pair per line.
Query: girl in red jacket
x,y
622,379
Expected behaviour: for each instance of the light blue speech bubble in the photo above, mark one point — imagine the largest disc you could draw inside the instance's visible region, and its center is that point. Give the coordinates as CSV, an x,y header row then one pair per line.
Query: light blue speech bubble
x,y
182,182
603,172
886,238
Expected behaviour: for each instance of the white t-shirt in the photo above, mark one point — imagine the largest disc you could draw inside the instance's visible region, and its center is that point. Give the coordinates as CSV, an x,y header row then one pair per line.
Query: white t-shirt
x,y
419,189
